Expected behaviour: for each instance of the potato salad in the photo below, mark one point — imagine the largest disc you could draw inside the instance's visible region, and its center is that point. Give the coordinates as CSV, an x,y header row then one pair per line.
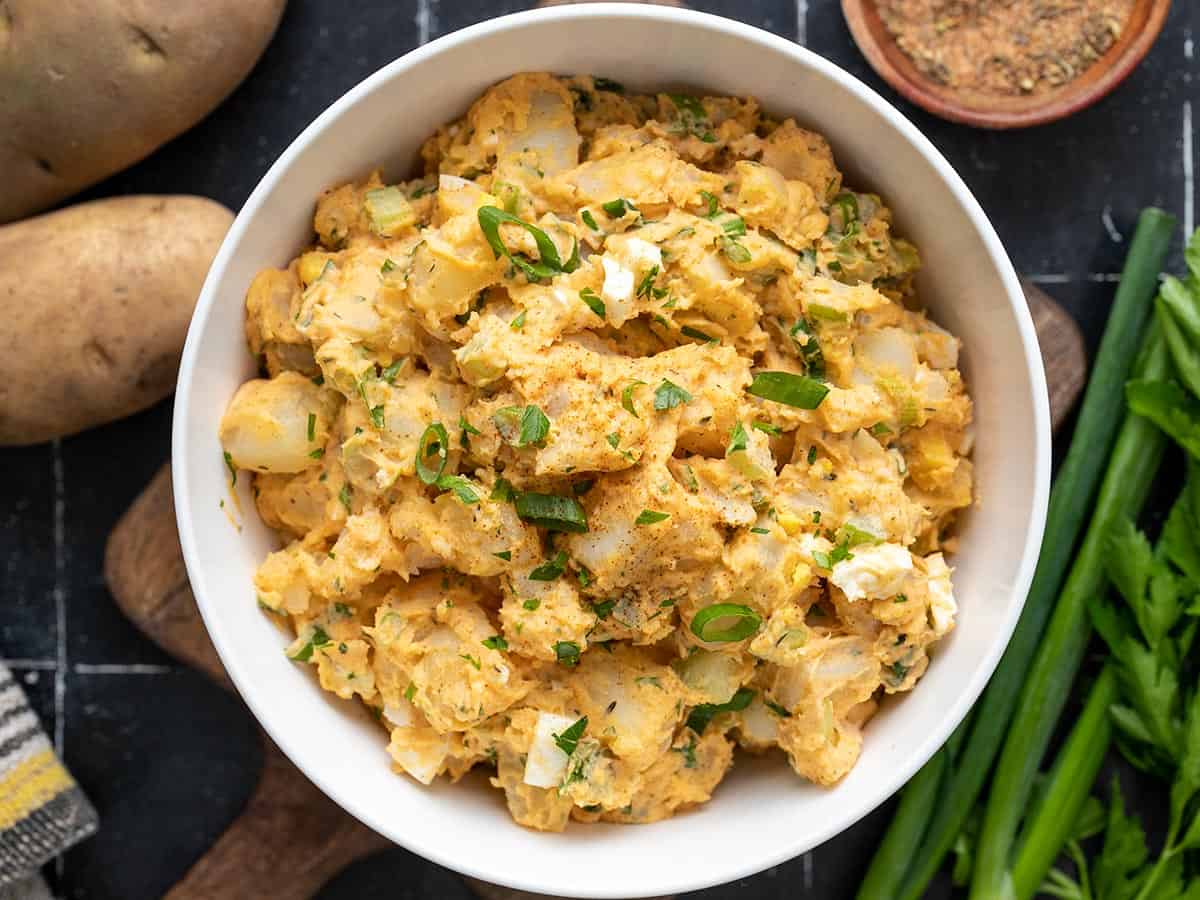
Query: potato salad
x,y
614,443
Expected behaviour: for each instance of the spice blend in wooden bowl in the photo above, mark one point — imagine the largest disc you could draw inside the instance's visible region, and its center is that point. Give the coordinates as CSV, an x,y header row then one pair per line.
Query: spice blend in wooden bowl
x,y
1005,47
1004,63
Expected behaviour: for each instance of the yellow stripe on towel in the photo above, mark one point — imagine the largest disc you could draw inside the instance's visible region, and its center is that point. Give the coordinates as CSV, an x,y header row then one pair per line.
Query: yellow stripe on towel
x,y
30,785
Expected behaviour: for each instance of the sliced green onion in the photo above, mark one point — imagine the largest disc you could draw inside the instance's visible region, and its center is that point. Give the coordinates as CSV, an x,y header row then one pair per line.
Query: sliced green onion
x,y
232,469
711,200
800,391
495,642
735,251
389,374
518,321
650,517
722,623
767,427
505,555
548,264
827,313
312,426
589,220
531,604
593,301
502,491
441,449
615,209
810,350
669,395
461,487
696,334
388,210
552,512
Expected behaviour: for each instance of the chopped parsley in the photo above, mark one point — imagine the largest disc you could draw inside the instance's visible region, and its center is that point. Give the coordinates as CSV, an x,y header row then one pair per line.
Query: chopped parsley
x,y
604,608
317,639
692,118
551,569
669,395
567,652
701,715
650,517
530,423
737,440
627,397
569,739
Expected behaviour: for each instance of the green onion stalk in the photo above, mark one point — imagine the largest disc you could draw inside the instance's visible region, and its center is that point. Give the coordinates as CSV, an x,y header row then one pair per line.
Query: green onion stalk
x,y
1131,469
1100,414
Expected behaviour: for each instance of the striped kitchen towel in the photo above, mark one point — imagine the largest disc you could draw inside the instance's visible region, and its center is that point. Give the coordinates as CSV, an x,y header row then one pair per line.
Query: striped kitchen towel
x,y
42,809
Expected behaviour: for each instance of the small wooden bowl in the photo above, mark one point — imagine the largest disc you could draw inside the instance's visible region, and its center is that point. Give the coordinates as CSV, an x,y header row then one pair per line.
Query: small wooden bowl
x,y
988,110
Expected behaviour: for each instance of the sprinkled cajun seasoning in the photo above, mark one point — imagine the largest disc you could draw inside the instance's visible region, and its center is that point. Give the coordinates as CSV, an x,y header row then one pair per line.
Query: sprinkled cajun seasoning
x,y
1004,47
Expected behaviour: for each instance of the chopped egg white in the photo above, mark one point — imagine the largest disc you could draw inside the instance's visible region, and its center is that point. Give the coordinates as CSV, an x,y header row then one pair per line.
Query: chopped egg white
x,y
546,764
643,255
419,751
873,571
942,607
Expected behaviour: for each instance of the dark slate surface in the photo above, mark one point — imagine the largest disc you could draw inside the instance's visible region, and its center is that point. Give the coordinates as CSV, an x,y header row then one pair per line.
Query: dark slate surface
x,y
170,759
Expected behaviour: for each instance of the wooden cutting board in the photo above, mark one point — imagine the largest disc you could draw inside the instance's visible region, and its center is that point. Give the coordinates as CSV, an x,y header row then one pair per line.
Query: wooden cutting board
x,y
291,835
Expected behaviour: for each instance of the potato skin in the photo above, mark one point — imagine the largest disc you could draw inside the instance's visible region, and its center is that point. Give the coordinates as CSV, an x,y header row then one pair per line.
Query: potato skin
x,y
95,301
93,86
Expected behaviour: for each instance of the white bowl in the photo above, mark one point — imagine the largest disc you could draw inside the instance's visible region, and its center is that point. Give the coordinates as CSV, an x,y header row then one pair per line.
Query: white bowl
x,y
762,814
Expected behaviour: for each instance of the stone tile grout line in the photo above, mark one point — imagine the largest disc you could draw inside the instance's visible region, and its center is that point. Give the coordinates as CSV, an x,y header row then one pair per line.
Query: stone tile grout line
x,y
60,612
1189,173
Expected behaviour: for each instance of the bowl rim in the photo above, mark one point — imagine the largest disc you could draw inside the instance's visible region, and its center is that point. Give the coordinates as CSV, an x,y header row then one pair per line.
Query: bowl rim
x,y
677,880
